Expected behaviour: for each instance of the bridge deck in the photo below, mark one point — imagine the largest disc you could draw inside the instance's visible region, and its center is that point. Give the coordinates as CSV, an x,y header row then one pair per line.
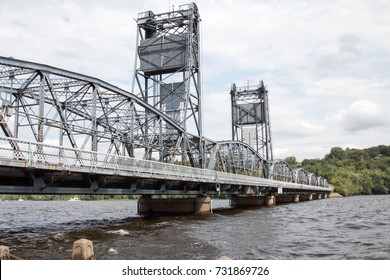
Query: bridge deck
x,y
30,167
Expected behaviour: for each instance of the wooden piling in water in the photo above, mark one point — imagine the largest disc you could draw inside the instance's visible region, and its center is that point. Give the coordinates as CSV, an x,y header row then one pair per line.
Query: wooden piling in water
x,y
83,250
4,253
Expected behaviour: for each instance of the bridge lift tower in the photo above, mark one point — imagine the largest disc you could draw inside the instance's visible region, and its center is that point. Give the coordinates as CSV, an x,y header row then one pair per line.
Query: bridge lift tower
x,y
250,119
167,76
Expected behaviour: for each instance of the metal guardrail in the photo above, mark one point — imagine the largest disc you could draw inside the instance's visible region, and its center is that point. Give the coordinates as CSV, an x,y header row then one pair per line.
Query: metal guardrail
x,y
28,154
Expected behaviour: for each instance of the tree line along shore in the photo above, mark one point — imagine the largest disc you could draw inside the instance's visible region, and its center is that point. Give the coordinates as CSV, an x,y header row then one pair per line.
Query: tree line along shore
x,y
352,171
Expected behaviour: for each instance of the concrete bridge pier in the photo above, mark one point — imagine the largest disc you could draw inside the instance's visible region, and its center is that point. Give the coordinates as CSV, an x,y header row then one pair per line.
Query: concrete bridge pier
x,y
306,197
287,198
270,200
248,201
149,205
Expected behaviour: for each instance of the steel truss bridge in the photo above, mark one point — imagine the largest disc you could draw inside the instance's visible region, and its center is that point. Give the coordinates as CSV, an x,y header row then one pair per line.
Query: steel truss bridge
x,y
88,123
67,133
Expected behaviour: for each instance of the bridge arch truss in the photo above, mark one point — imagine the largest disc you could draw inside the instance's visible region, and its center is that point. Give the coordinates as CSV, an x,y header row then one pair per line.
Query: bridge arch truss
x,y
60,107
49,105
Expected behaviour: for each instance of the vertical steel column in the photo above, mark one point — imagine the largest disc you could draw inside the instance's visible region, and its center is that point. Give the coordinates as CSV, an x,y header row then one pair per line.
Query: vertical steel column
x,y
16,106
41,112
94,142
167,60
232,104
250,111
94,128
131,132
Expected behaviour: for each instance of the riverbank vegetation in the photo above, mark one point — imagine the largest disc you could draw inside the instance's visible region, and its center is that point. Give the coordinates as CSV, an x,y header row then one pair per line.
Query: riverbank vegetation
x,y
354,171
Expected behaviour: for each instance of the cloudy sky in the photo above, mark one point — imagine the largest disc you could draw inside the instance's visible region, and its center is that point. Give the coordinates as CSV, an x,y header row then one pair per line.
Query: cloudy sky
x,y
326,63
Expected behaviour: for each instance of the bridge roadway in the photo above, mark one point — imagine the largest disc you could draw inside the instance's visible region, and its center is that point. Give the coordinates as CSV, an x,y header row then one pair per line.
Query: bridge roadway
x,y
36,168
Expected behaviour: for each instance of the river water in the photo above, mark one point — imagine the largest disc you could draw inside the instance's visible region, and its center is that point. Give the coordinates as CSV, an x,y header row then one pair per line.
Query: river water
x,y
339,228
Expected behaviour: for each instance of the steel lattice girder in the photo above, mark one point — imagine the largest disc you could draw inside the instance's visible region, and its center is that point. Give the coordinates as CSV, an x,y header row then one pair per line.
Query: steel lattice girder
x,y
78,110
83,108
167,76
250,111
50,105
281,171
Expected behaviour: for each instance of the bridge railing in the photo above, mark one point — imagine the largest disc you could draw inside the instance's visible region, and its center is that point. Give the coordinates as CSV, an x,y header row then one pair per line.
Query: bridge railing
x,y
33,154
20,153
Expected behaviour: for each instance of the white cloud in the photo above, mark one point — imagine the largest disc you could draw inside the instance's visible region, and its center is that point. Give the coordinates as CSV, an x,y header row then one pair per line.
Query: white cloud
x,y
360,115
298,128
217,116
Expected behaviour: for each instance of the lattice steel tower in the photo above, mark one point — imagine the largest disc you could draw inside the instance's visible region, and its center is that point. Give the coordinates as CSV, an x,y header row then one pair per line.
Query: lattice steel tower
x,y
167,76
250,118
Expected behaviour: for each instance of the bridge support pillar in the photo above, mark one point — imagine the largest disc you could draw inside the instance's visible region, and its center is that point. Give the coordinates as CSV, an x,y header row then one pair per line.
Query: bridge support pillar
x,y
287,198
202,204
148,205
270,200
247,200
284,198
306,197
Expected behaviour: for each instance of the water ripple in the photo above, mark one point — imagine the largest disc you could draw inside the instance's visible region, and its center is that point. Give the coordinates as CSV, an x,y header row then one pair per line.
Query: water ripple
x,y
347,228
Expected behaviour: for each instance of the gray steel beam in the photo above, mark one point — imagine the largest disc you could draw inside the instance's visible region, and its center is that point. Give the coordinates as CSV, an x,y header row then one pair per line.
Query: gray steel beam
x,y
88,79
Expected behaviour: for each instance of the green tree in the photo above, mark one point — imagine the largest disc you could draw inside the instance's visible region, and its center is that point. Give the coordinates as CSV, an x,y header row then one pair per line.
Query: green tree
x,y
292,161
354,171
336,153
